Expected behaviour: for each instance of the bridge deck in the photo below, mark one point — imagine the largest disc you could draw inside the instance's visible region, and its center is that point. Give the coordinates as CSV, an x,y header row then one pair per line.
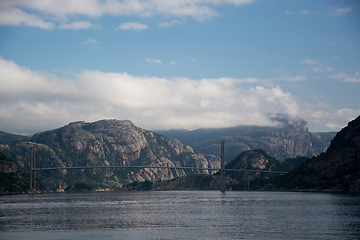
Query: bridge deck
x,y
167,167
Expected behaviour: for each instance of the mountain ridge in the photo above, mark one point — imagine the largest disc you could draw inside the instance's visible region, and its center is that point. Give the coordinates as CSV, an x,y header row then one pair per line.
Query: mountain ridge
x,y
290,138
106,143
337,169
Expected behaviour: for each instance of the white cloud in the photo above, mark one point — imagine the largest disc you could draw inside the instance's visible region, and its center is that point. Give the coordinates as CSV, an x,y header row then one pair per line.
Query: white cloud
x,y
319,66
39,101
79,25
17,17
305,12
18,12
90,41
298,78
335,119
339,11
135,26
289,13
323,69
309,62
149,60
170,24
194,60
346,78
33,101
173,62
335,57
318,69
329,69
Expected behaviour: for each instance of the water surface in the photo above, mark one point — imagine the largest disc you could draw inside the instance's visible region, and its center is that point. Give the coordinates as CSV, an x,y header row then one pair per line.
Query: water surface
x,y
180,215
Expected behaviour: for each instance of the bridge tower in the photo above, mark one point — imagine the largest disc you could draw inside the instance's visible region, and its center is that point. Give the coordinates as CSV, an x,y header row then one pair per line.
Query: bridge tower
x,y
222,171
32,172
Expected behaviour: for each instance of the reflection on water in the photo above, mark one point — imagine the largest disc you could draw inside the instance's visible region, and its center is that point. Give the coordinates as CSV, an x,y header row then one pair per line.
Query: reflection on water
x,y
180,215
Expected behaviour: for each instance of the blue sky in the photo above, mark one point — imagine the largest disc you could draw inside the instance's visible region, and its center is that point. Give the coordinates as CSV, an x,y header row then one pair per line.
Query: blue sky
x,y
178,64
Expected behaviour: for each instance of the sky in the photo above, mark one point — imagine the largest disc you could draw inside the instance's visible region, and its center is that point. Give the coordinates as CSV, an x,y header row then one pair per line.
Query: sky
x,y
178,64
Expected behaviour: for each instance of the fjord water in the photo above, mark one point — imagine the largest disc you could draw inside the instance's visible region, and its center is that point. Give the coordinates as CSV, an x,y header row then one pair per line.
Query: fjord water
x,y
180,215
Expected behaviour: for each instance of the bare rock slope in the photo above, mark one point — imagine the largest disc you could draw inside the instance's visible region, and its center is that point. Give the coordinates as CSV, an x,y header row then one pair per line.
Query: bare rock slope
x,y
105,143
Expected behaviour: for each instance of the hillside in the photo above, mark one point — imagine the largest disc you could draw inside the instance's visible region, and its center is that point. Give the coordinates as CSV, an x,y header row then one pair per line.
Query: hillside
x,y
4,137
105,143
254,160
290,138
338,169
12,182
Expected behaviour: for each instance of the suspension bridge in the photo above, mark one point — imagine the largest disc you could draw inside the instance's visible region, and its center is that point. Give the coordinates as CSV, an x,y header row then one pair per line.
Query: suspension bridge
x,y
222,169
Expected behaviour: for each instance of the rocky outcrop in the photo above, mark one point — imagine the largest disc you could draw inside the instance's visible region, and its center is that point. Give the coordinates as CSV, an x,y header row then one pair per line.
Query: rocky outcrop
x,y
290,138
338,169
105,143
253,160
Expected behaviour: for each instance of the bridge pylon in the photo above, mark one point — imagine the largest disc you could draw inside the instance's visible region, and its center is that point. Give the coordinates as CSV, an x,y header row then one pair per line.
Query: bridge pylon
x,y
32,172
222,171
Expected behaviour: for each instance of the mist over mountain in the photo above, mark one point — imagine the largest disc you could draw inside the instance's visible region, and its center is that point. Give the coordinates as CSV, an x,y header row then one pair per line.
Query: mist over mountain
x,y
337,169
290,138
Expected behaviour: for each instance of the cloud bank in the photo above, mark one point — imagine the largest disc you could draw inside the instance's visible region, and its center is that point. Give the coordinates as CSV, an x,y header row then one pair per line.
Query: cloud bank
x,y
79,25
134,26
33,12
33,101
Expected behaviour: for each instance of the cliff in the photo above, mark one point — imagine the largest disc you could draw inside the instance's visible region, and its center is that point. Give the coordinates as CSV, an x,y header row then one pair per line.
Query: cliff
x,y
105,143
337,169
289,138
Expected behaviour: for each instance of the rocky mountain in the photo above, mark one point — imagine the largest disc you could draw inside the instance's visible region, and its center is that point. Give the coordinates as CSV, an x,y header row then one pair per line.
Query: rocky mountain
x,y
290,138
337,169
256,159
105,143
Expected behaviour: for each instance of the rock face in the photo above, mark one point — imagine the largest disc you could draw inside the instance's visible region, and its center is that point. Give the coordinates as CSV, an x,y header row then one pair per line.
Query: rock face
x,y
105,143
253,160
338,169
289,139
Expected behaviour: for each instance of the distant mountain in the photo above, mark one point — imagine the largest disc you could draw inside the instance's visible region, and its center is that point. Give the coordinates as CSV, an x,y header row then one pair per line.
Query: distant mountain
x,y
4,137
234,180
338,169
105,143
289,139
